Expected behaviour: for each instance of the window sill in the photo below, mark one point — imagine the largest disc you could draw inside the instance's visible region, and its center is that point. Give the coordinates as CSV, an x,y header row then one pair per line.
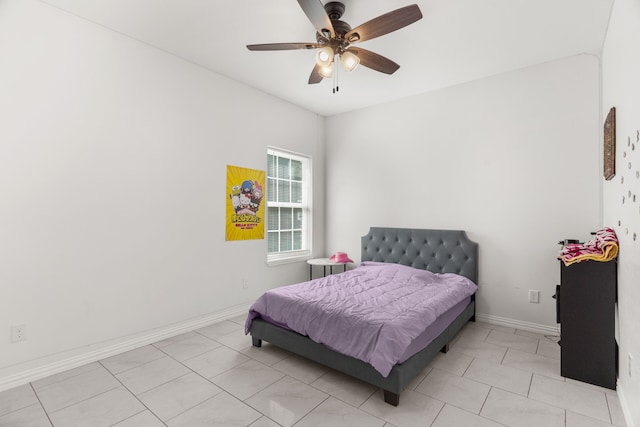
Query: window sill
x,y
289,258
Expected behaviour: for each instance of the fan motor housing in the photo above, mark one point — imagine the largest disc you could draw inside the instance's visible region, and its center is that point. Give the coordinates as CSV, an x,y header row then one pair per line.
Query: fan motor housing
x,y
334,9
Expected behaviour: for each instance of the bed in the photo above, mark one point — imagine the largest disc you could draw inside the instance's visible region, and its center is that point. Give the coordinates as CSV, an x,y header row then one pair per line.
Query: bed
x,y
435,251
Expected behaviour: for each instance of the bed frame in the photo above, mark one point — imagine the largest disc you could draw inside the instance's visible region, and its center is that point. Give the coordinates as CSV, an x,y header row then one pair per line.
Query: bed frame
x,y
439,251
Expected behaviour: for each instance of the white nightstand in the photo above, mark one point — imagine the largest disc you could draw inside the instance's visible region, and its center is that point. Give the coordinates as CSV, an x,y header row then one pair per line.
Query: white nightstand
x,y
324,262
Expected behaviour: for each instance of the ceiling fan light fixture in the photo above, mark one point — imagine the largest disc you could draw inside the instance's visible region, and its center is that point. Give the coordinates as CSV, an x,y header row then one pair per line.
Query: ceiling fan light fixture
x,y
324,57
334,37
326,71
349,60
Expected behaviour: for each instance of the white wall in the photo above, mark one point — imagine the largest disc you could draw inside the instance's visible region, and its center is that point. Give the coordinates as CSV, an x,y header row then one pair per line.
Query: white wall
x,y
621,89
113,163
513,159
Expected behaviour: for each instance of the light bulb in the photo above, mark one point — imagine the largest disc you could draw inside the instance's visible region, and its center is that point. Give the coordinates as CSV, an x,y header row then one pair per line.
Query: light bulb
x,y
324,57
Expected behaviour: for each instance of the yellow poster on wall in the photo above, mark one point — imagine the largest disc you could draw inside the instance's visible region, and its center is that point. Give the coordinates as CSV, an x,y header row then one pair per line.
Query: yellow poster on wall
x,y
245,212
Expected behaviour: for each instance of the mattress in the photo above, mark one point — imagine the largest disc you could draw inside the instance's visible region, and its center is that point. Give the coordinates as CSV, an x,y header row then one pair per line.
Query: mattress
x,y
435,329
379,313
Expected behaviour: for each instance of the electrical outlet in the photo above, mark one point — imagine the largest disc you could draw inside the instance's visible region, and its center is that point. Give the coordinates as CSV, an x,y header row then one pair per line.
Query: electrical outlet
x,y
630,360
534,296
245,284
18,333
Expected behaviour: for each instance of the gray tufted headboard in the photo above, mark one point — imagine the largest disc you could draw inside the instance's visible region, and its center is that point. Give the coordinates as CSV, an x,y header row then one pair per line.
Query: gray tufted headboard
x,y
439,251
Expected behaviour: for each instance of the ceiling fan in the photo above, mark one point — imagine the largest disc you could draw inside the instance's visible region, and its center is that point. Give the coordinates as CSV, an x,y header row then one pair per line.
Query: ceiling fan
x,y
334,39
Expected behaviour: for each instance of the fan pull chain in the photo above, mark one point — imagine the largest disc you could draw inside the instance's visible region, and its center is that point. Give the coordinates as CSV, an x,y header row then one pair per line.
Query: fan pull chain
x,y
336,88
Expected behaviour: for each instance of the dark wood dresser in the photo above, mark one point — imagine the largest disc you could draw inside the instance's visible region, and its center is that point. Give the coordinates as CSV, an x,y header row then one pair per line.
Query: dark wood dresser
x,y
585,307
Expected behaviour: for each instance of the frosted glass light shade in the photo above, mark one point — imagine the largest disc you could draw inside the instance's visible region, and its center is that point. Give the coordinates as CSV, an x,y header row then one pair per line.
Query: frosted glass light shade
x,y
349,60
326,71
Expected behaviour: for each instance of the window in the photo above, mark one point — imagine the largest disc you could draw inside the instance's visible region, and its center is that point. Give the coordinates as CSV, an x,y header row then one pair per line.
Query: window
x,y
288,205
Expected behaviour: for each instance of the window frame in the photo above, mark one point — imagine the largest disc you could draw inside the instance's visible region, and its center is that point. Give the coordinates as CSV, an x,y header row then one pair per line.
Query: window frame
x,y
284,257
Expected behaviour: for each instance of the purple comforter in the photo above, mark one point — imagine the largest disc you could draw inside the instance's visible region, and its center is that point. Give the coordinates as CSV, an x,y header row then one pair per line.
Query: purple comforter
x,y
371,313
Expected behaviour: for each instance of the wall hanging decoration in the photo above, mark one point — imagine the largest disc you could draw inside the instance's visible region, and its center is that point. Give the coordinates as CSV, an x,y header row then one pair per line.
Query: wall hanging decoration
x,y
245,211
629,187
610,144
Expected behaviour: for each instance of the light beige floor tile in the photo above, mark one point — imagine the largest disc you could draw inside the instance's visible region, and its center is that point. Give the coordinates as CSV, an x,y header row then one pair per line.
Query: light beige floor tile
x,y
286,401
174,339
237,340
30,416
457,391
450,416
517,342
501,328
142,419
473,333
579,420
265,422
301,369
530,334
73,389
517,411
615,410
415,409
572,397
152,374
221,410
480,349
589,386
219,329
104,409
453,361
333,412
216,361
239,319
132,359
504,377
179,395
66,375
247,379
533,363
189,347
344,387
17,398
268,354
483,354
548,348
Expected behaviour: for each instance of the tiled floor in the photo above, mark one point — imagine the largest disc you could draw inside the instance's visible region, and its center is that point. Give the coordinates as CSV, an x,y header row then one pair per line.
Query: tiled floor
x,y
492,376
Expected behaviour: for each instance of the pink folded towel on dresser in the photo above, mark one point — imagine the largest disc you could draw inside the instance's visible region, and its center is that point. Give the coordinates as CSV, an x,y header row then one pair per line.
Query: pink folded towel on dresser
x,y
604,247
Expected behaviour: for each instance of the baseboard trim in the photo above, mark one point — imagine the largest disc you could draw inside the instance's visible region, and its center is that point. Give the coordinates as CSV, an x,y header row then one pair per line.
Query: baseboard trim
x,y
18,375
517,324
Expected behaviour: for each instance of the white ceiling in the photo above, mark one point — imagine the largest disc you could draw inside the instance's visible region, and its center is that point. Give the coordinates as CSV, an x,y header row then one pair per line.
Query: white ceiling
x,y
456,41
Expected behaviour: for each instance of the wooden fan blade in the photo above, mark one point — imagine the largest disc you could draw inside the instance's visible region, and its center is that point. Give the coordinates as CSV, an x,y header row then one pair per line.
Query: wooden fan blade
x,y
374,61
315,76
282,46
384,24
318,16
